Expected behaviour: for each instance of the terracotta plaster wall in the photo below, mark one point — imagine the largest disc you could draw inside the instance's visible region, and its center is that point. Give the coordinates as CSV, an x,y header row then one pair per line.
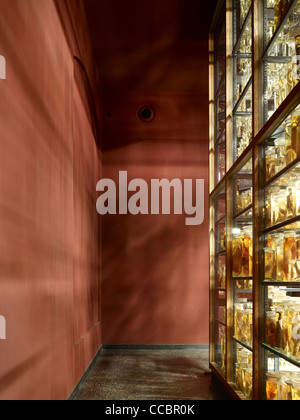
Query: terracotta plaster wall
x,y
49,229
155,268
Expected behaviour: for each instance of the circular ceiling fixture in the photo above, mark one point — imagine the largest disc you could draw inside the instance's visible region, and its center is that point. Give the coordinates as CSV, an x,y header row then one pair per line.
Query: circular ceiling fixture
x,y
146,114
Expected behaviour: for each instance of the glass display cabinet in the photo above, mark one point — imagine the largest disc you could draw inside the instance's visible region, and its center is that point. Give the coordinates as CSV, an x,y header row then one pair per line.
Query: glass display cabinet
x,y
255,200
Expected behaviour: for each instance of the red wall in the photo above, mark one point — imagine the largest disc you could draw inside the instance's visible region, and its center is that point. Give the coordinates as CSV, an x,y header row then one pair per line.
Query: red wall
x,y
49,166
155,269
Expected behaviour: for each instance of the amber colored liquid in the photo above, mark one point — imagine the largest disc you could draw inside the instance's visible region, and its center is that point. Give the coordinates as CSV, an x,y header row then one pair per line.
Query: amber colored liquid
x,y
291,154
239,379
271,391
246,256
298,249
278,330
285,333
280,211
268,213
296,394
291,203
272,168
296,135
238,324
269,266
290,253
250,257
271,332
236,257
278,12
279,263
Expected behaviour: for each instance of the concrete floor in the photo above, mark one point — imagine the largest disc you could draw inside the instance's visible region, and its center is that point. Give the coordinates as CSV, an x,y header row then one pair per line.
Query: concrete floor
x,y
150,375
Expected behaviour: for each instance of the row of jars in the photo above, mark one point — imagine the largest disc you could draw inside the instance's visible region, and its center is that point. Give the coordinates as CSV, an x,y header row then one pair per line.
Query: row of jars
x,y
242,252
283,203
244,133
283,386
283,324
286,149
243,372
244,199
243,321
282,257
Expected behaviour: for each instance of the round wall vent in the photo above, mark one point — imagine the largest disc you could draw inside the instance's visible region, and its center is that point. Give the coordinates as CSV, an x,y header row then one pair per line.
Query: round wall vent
x,y
146,114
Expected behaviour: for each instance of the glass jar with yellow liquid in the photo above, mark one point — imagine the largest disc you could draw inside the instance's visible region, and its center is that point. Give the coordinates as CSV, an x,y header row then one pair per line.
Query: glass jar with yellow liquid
x,y
271,163
282,388
280,153
237,247
271,329
278,327
296,390
289,390
295,129
246,322
269,264
247,251
279,251
248,383
278,205
268,211
271,386
291,199
238,320
294,317
290,252
286,328
238,376
291,151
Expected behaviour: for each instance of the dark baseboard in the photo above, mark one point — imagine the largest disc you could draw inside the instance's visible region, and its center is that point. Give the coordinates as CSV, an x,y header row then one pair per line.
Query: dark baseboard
x,y
84,376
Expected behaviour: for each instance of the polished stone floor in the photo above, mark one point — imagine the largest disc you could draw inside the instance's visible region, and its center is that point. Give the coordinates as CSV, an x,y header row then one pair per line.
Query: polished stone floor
x,y
150,375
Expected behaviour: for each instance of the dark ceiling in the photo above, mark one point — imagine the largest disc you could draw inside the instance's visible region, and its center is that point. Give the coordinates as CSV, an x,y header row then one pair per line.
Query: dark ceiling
x,y
150,45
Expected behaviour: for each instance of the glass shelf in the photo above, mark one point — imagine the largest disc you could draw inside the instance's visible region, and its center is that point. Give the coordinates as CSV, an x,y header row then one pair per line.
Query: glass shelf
x,y
284,356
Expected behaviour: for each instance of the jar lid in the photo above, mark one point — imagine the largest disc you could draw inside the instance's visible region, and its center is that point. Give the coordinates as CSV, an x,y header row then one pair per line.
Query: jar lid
x,y
273,375
280,141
